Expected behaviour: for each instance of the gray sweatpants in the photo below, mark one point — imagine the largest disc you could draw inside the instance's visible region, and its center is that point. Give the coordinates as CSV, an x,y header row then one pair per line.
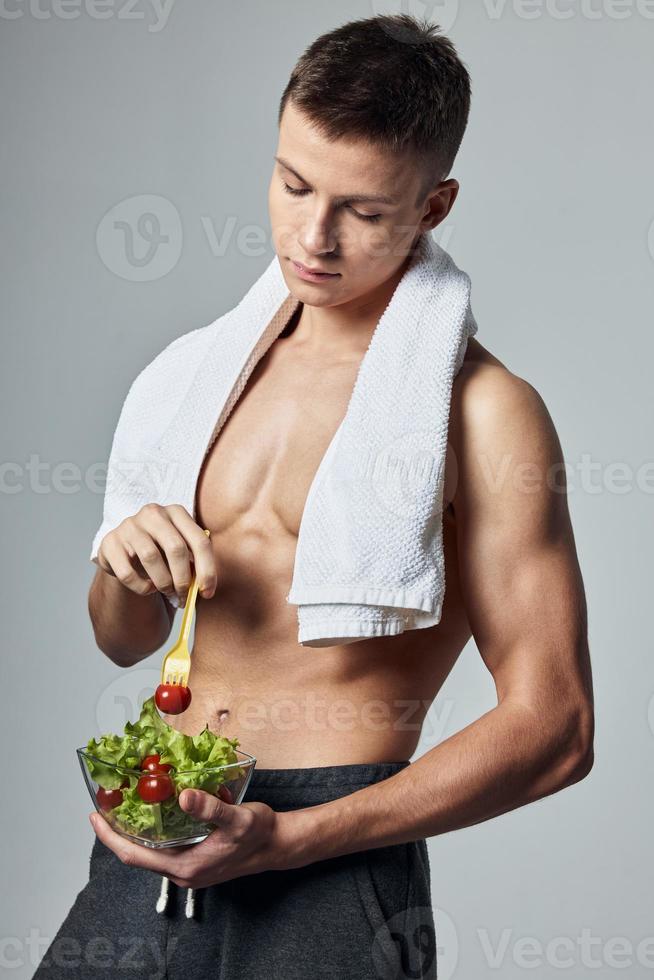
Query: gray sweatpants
x,y
361,916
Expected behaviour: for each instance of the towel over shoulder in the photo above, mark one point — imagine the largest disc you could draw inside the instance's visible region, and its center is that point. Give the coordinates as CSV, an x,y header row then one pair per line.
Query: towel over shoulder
x,y
369,558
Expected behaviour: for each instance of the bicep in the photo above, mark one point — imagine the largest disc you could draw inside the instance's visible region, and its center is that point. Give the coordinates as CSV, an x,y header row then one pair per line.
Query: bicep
x,y
519,573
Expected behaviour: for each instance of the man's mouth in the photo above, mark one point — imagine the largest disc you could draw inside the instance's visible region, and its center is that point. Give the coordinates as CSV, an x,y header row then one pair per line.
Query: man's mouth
x,y
310,275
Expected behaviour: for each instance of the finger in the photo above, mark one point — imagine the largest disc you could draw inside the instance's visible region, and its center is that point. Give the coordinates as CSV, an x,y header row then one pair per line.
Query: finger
x,y
204,806
204,559
123,569
155,521
101,559
136,856
144,547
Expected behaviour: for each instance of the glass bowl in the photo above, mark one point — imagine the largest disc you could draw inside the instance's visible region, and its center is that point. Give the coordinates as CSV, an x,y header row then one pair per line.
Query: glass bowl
x,y
163,824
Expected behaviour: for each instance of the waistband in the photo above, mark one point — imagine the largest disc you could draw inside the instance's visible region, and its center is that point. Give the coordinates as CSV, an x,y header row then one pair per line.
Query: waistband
x,y
344,775
315,784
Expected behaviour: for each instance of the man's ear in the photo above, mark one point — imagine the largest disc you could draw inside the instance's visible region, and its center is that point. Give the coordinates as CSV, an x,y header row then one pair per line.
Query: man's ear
x,y
439,203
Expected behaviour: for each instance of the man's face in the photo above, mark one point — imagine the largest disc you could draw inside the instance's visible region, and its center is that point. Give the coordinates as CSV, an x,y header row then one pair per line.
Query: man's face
x,y
326,225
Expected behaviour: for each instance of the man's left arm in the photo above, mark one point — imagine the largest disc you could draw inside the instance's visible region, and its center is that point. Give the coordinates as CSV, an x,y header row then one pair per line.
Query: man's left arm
x,y
525,602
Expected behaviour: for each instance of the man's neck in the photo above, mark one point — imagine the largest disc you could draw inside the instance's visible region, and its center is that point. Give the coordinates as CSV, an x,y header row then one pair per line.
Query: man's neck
x,y
347,327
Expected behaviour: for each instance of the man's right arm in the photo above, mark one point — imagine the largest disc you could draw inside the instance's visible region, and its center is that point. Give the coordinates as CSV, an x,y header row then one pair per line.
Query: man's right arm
x,y
147,557
128,627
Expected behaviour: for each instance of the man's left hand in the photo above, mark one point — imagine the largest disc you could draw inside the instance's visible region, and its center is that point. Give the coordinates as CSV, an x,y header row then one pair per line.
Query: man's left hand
x,y
244,842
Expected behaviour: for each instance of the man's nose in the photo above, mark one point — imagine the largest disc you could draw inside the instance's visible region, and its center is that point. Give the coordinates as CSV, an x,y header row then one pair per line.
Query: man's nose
x,y
318,237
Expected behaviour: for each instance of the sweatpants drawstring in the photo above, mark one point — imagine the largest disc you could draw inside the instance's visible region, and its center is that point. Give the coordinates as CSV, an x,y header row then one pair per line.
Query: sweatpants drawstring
x,y
162,901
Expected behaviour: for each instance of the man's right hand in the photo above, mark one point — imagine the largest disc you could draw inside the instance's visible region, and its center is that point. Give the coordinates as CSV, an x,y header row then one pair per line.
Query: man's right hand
x,y
153,550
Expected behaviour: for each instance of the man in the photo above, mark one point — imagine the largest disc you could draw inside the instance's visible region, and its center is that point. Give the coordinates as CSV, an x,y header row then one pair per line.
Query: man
x,y
323,870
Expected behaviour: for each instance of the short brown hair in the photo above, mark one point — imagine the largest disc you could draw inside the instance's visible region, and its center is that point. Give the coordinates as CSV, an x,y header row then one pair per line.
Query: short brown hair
x,y
393,80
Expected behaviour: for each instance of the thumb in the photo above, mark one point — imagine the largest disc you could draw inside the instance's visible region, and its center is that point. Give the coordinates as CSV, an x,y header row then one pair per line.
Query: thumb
x,y
204,806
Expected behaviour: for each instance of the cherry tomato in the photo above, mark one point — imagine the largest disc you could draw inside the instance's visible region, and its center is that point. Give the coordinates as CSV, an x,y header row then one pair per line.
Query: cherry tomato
x,y
155,787
151,763
172,699
225,793
107,799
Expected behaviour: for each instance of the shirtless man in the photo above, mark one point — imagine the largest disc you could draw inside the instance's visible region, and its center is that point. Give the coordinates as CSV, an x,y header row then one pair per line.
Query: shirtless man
x,y
513,583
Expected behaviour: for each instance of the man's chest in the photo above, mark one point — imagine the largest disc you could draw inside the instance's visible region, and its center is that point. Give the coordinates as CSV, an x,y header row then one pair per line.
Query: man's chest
x,y
261,465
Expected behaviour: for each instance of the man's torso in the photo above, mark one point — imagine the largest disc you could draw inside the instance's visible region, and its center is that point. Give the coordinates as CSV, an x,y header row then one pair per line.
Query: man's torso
x,y
289,705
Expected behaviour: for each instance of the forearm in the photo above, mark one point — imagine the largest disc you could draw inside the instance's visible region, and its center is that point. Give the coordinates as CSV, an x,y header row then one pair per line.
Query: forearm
x,y
498,763
127,627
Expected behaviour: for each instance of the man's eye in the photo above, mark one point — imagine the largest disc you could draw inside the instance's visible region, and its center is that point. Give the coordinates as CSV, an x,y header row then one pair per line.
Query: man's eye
x,y
367,217
295,190
305,190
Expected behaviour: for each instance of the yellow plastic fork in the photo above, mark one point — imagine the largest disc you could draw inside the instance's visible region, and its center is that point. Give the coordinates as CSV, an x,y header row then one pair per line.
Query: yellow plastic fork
x,y
177,662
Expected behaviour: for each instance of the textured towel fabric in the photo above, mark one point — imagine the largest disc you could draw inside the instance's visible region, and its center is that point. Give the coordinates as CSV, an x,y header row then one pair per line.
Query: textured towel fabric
x,y
361,916
369,559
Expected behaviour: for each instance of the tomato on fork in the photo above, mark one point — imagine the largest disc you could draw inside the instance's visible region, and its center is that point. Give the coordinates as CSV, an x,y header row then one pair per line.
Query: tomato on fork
x,y
172,699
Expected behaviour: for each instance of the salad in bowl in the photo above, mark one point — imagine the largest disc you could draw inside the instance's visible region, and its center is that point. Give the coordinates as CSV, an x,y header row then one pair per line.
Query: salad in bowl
x,y
135,778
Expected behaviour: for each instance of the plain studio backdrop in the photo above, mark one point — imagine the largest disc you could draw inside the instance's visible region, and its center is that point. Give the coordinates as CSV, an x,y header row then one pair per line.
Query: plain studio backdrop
x,y
119,111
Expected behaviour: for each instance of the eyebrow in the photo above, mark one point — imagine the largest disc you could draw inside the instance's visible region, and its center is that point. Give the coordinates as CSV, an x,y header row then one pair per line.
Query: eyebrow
x,y
377,198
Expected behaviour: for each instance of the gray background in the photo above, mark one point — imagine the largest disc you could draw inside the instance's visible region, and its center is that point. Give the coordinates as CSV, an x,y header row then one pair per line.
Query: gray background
x,y
553,224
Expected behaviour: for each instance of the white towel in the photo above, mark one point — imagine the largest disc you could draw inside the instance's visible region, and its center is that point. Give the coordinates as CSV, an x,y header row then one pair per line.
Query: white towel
x,y
369,558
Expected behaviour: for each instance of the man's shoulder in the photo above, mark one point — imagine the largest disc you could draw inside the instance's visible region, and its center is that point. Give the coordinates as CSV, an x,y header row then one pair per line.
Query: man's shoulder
x,y
484,387
495,410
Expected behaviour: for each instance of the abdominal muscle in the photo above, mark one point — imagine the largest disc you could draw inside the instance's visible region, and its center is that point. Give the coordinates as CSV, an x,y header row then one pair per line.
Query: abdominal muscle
x,y
292,706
